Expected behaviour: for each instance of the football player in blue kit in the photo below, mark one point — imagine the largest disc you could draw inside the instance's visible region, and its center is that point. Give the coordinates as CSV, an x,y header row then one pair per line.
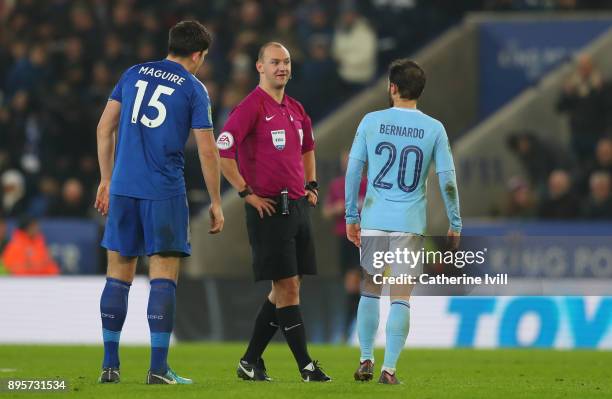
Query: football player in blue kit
x,y
141,138
398,144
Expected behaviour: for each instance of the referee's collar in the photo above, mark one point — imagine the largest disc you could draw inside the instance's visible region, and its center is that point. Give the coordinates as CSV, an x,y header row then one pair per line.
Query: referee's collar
x,y
262,92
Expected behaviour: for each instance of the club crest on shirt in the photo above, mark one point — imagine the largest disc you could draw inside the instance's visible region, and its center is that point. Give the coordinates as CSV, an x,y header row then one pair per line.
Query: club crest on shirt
x,y
278,138
225,141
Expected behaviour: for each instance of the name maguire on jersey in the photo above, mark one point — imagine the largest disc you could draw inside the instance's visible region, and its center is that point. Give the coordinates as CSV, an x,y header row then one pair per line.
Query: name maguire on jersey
x,y
158,73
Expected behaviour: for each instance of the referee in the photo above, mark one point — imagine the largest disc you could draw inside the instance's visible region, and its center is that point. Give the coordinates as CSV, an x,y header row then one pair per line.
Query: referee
x,y
271,136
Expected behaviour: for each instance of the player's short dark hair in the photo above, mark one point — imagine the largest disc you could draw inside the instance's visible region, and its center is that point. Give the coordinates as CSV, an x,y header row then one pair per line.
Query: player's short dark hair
x,y
409,78
188,37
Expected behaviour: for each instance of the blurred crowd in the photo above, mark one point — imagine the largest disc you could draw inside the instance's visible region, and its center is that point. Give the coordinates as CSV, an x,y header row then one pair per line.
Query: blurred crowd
x,y
546,5
573,182
59,60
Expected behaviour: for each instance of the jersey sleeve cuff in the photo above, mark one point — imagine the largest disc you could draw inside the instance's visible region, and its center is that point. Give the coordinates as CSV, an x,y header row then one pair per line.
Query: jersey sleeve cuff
x,y
352,220
202,127
307,149
456,228
227,154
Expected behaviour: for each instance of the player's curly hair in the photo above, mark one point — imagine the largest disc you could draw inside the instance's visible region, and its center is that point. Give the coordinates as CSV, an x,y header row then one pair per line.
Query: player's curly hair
x,y
409,78
188,37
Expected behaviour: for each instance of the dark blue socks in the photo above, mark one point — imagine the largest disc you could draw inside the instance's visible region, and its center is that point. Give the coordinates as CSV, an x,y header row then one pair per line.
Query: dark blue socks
x,y
160,313
113,308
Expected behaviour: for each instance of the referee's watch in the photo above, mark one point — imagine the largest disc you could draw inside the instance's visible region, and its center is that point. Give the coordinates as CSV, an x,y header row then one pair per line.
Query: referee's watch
x,y
313,187
247,191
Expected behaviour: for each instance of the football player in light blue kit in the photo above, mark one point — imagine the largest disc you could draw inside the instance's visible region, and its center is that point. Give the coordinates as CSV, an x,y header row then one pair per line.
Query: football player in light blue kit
x,y
398,144
154,107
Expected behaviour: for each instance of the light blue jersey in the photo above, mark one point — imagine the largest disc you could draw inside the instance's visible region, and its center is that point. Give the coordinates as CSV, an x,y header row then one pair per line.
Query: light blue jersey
x,y
399,145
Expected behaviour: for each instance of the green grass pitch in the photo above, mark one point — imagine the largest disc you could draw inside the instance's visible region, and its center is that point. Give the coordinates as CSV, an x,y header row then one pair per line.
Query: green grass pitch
x,y
457,373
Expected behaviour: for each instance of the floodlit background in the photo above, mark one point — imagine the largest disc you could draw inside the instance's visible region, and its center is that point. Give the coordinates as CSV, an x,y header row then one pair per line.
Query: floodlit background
x,y
524,88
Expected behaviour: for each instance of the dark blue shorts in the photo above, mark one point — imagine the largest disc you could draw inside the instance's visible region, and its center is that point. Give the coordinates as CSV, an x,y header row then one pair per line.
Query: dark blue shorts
x,y
136,227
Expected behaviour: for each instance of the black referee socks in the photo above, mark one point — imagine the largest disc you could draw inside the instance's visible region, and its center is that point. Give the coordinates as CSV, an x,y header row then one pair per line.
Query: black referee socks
x,y
292,325
265,328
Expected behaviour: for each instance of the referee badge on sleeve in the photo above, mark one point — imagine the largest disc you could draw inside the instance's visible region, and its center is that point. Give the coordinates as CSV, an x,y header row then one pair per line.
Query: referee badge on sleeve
x,y
278,139
225,141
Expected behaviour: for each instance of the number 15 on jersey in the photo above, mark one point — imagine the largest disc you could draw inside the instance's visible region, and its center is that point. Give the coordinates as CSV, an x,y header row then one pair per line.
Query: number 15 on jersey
x,y
153,102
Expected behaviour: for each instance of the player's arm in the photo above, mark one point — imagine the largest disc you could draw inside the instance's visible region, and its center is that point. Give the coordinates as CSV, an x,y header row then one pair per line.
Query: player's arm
x,y
450,196
106,151
445,169
229,167
352,182
209,161
308,159
238,126
310,175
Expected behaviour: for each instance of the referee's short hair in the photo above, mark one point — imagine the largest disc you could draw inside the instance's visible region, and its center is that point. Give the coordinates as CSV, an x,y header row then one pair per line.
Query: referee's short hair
x,y
264,47
188,37
409,78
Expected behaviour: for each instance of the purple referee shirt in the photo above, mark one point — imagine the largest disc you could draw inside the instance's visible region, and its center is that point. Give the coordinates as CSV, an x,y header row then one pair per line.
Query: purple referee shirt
x,y
270,139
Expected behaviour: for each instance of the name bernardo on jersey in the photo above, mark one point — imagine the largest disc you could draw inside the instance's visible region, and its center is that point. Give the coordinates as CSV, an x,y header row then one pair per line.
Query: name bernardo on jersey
x,y
395,130
158,73
398,145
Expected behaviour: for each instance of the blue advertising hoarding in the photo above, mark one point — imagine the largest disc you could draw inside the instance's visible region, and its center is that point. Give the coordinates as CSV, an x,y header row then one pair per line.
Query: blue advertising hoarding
x,y
516,54
545,249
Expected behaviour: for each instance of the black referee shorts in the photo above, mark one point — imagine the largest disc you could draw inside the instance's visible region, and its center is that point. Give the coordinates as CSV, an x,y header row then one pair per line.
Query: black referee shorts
x,y
282,245
349,255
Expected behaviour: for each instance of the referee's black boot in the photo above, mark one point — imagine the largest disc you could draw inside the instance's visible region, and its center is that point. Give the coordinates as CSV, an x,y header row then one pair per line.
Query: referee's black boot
x,y
252,371
314,372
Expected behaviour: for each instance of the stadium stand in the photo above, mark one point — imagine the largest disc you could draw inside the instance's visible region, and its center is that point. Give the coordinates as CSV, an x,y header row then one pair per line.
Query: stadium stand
x,y
58,63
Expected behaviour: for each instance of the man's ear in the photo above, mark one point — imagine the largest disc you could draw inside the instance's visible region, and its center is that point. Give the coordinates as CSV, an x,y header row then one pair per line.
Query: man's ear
x,y
196,56
393,88
259,66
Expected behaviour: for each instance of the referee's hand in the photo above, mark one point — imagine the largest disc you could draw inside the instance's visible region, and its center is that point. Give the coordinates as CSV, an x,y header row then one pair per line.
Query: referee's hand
x,y
313,198
261,204
216,218
353,233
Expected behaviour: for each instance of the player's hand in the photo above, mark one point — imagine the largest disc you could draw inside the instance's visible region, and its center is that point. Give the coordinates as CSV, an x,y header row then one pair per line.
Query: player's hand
x,y
102,197
453,239
312,198
261,204
216,218
353,233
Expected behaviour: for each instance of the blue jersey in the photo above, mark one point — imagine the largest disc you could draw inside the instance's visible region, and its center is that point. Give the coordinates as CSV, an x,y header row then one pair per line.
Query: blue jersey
x,y
160,102
399,145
